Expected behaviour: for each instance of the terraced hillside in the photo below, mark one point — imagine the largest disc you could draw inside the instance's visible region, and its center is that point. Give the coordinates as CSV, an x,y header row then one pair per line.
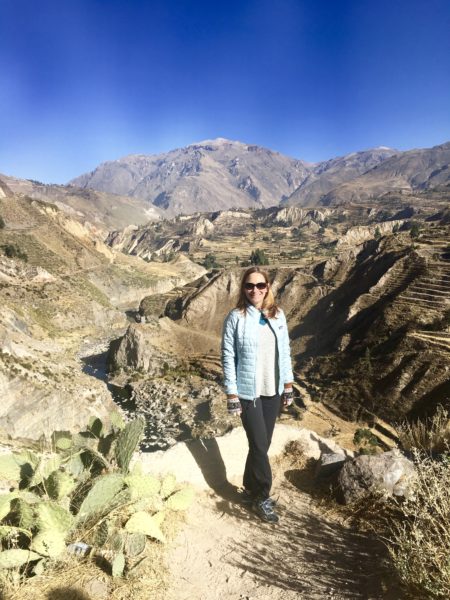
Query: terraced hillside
x,y
365,338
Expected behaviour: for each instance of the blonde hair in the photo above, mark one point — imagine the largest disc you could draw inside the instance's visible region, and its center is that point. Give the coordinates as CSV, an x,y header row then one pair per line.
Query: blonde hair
x,y
269,306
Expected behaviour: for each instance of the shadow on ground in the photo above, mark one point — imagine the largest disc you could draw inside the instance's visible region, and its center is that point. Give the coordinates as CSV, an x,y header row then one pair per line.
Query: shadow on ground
x,y
317,558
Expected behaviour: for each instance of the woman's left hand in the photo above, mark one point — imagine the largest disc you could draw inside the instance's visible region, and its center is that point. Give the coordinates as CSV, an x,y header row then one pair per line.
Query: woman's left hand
x,y
287,397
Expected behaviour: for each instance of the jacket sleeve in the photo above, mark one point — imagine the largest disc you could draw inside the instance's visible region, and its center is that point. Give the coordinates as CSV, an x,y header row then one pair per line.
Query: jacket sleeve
x,y
287,375
229,356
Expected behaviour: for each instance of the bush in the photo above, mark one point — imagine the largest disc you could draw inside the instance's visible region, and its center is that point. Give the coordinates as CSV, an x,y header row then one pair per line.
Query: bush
x,y
258,257
430,436
420,539
13,251
2,223
377,234
210,262
414,231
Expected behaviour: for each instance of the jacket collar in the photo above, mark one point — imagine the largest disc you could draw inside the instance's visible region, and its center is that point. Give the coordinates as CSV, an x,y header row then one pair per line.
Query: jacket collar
x,y
253,311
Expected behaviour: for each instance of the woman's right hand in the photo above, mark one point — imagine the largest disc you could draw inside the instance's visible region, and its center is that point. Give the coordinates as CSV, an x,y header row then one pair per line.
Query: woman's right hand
x,y
233,406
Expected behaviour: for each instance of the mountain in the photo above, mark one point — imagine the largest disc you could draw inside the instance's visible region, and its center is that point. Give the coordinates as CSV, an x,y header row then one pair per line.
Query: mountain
x,y
104,210
220,174
330,174
411,171
208,176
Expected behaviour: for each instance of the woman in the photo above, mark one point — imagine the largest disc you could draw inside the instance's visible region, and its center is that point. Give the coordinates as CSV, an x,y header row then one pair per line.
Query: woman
x,y
258,376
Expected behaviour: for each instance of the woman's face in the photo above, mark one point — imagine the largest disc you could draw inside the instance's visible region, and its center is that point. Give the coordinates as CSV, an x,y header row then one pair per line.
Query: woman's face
x,y
254,294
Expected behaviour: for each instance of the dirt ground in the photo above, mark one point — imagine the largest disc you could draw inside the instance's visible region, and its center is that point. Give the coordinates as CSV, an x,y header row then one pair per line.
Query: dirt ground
x,y
225,551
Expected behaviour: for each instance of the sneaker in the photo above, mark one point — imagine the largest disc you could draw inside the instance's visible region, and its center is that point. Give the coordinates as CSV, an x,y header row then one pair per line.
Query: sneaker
x,y
264,510
248,498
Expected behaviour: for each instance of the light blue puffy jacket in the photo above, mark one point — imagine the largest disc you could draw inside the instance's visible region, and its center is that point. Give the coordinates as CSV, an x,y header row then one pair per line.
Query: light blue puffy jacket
x,y
240,351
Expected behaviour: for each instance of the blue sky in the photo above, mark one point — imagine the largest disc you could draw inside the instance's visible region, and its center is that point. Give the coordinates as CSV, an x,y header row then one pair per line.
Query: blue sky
x,y
84,81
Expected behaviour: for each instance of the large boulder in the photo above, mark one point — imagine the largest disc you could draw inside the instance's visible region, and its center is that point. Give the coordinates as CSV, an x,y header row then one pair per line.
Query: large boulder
x,y
390,473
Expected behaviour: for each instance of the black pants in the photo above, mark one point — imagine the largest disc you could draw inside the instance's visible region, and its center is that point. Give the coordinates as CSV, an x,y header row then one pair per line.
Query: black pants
x,y
258,418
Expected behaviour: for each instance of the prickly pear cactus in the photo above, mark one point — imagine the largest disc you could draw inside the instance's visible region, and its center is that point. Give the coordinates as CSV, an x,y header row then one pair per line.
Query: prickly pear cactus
x,y
24,513
45,467
142,522
62,440
168,485
180,500
118,565
117,421
116,541
127,442
101,534
52,517
102,497
5,504
49,543
135,544
59,484
9,467
142,486
12,559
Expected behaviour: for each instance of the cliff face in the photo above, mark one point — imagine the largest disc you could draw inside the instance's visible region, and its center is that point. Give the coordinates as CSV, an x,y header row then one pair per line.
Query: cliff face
x,y
369,326
60,287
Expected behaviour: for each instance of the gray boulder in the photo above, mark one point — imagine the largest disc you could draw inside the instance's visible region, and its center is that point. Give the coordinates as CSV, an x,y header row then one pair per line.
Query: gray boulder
x,y
390,473
330,463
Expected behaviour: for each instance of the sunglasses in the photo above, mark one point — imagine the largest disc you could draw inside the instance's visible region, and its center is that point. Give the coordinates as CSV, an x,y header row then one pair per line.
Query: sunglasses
x,y
259,286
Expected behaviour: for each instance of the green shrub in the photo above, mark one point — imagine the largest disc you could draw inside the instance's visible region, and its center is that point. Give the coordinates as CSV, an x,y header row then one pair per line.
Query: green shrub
x,y
258,257
210,262
2,223
13,251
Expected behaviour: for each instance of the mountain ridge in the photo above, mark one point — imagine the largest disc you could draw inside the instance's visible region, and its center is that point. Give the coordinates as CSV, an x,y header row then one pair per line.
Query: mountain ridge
x,y
219,174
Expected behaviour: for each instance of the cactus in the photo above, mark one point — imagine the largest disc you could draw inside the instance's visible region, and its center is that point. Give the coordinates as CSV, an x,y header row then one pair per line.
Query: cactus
x,y
12,559
45,467
5,504
118,565
62,440
59,484
8,530
95,426
101,534
117,421
49,543
52,517
168,485
151,504
180,500
102,497
24,512
9,467
135,544
142,486
128,441
75,465
142,522
116,541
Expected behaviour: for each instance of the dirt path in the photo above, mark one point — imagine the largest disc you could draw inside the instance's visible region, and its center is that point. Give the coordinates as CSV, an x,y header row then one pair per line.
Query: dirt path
x,y
225,552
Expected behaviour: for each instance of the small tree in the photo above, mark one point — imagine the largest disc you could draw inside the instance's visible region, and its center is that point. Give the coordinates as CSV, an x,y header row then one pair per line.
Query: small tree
x,y
377,234
414,232
210,262
258,257
2,223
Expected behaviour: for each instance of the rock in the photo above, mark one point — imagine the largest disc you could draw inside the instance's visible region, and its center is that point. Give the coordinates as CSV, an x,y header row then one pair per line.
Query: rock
x,y
390,472
330,463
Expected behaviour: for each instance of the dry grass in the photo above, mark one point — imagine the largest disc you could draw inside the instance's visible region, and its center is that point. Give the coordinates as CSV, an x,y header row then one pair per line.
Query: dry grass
x,y
431,435
420,540
73,578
